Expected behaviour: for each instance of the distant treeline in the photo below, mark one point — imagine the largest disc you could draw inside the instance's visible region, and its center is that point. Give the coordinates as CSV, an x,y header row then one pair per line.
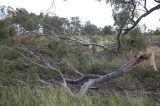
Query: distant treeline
x,y
21,21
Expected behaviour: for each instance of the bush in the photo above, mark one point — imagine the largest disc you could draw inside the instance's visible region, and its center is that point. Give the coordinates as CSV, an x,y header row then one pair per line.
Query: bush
x,y
6,30
135,41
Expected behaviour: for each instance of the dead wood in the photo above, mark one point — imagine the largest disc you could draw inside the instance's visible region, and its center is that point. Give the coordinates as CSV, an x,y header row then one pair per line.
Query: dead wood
x,y
89,79
71,40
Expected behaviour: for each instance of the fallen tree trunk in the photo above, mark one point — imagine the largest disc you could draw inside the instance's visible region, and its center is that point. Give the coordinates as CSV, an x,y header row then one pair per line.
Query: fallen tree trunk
x,y
116,73
93,79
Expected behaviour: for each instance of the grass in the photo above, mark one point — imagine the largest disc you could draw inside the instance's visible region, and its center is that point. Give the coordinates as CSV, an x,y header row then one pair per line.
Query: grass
x,y
155,37
14,67
26,96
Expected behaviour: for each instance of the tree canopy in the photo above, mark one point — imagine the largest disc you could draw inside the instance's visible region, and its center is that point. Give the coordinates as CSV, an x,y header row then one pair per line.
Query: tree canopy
x,y
128,13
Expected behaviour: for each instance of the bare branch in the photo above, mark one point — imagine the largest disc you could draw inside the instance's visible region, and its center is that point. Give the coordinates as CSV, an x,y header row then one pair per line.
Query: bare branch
x,y
22,82
95,79
29,59
51,7
48,66
141,17
132,11
144,6
141,10
74,69
158,1
71,39
123,31
44,82
84,78
116,73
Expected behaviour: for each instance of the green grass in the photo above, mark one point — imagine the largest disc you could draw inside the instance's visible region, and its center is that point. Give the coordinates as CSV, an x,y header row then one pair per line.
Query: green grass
x,y
26,96
110,39
155,37
14,67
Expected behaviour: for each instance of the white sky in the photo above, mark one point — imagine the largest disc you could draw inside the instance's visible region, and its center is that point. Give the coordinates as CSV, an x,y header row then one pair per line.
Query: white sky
x,y
98,13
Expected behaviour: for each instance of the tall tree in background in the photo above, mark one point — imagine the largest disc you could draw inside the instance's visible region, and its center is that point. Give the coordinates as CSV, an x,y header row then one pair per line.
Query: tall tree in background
x,y
108,30
6,28
75,25
90,29
28,21
157,31
128,13
55,24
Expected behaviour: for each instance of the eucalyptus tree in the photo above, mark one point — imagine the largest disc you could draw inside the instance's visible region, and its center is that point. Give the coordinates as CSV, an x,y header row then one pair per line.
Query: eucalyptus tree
x,y
6,28
75,25
157,31
25,21
108,30
128,13
90,29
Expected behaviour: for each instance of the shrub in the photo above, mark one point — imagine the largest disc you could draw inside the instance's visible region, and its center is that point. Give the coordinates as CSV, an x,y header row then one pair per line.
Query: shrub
x,y
6,30
135,41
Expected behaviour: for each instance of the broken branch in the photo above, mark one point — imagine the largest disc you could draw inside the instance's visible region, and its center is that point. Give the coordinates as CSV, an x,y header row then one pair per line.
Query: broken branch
x,y
94,79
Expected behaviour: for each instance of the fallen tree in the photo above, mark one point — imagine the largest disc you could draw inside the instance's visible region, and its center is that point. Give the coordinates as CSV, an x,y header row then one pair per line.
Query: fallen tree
x,y
89,79
72,41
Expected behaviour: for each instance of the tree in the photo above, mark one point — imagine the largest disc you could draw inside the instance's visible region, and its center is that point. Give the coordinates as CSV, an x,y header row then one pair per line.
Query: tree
x,y
6,28
90,29
88,79
157,31
128,13
7,33
135,42
66,25
28,21
108,30
54,24
75,25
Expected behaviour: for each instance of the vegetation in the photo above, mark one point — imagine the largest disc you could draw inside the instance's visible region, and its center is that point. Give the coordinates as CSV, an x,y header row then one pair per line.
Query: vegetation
x,y
39,52
26,96
18,74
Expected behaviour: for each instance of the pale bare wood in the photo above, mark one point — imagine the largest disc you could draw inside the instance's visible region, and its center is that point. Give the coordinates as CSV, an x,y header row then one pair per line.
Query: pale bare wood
x,y
93,79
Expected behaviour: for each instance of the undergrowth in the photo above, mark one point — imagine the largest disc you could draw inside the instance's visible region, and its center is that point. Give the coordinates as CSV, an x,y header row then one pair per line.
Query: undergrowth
x,y
15,67
26,96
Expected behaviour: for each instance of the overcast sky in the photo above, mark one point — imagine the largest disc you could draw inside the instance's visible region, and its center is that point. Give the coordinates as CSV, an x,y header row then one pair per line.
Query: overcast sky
x,y
98,13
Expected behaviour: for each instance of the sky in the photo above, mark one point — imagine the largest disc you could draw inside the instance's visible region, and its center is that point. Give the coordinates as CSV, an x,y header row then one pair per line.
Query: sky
x,y
99,13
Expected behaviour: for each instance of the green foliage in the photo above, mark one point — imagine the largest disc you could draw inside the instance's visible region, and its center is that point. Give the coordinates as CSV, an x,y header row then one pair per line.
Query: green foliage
x,y
4,30
7,32
95,38
135,41
108,30
55,23
75,26
58,49
14,67
121,18
90,29
30,25
155,38
29,21
12,31
157,31
124,12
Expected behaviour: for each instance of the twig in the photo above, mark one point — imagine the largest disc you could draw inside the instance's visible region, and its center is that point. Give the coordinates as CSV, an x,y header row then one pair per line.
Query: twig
x,y
73,69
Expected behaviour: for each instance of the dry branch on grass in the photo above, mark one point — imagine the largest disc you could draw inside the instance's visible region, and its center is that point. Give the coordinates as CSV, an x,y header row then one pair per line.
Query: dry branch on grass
x,y
71,40
91,79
